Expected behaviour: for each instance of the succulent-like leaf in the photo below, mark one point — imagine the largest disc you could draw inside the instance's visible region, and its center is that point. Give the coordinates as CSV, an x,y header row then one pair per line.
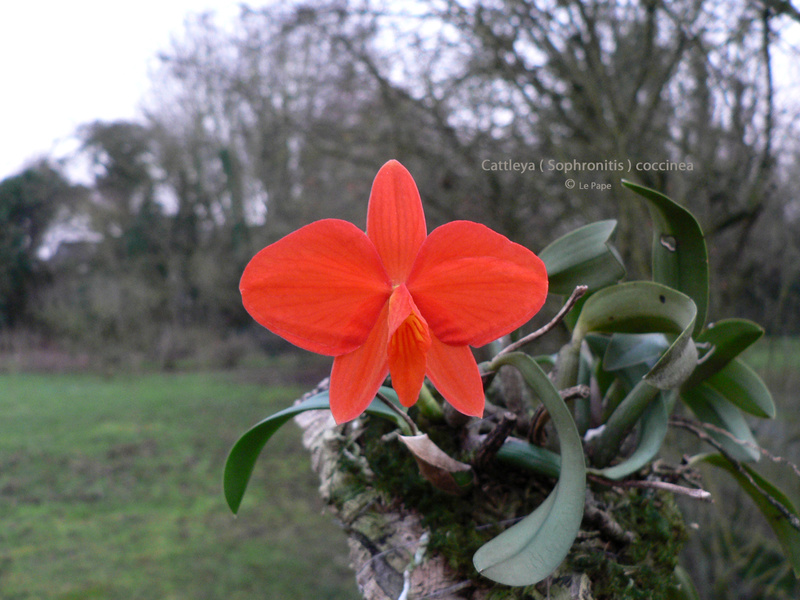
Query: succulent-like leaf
x,y
645,307
242,457
622,421
628,349
530,550
680,257
598,343
583,257
528,456
742,386
711,407
651,437
787,534
725,341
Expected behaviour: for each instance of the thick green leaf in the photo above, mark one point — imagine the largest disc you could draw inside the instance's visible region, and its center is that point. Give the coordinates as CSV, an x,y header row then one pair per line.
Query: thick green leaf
x,y
622,421
680,257
711,407
582,407
243,455
725,340
628,349
598,343
583,257
546,361
532,549
645,307
788,536
651,437
742,386
635,307
527,456
630,376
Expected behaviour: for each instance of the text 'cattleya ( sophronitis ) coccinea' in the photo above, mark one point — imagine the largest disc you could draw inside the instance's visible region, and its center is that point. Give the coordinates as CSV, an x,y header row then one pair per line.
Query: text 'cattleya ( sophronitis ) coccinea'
x,y
395,300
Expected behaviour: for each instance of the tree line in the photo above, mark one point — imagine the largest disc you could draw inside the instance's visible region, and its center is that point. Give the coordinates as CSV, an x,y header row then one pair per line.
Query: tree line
x,y
255,129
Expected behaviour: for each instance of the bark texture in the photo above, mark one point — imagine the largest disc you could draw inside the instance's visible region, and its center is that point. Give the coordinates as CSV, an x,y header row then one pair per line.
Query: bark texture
x,y
627,547
387,540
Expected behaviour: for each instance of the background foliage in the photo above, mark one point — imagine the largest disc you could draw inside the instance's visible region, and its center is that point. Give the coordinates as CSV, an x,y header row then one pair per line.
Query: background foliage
x,y
255,129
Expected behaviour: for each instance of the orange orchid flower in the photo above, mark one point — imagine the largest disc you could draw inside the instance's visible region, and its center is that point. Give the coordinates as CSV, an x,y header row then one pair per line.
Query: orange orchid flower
x,y
395,300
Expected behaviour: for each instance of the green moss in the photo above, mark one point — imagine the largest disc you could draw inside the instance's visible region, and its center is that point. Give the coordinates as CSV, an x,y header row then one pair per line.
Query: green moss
x,y
454,522
643,569
450,519
459,525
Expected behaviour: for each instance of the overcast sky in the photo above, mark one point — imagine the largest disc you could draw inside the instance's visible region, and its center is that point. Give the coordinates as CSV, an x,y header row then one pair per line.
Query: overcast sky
x,y
64,63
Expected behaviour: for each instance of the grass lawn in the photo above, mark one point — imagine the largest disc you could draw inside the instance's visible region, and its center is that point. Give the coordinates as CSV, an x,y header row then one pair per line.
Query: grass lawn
x,y
111,488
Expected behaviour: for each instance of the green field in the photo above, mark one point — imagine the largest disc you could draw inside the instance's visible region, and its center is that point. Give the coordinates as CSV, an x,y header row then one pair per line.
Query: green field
x,y
110,487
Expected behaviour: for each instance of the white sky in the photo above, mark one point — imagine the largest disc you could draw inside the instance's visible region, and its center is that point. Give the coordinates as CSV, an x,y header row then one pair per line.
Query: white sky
x,y
64,63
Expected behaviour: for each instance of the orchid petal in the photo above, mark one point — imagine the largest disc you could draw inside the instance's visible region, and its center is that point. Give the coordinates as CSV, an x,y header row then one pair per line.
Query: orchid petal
x,y
409,341
321,287
454,372
395,220
474,285
357,376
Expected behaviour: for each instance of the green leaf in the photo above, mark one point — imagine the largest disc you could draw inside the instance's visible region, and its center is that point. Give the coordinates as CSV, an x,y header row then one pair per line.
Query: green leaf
x,y
711,407
546,361
628,349
680,257
788,535
527,456
631,376
637,308
582,407
742,386
726,340
598,343
532,549
242,457
645,307
583,257
654,429
622,421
